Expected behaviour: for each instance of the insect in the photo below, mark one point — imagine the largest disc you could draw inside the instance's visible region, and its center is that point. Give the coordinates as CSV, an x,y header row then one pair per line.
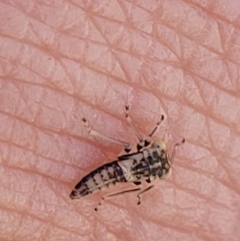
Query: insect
x,y
145,161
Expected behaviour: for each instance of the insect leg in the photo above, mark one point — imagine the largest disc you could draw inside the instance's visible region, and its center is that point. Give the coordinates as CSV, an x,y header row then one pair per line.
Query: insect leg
x,y
175,149
156,127
143,191
142,142
129,120
109,196
149,137
91,132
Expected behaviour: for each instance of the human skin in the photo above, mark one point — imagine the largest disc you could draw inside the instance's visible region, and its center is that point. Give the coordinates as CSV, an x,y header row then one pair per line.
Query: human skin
x,y
61,61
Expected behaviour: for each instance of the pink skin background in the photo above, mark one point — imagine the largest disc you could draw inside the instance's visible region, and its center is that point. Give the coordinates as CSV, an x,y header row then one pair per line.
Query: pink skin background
x,y
62,60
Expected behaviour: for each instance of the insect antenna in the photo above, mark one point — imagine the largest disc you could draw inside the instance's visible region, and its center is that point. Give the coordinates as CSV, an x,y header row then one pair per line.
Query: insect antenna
x,y
175,149
173,155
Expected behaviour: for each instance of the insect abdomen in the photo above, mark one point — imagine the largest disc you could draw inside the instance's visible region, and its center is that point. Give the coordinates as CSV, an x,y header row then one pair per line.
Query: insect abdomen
x,y
109,173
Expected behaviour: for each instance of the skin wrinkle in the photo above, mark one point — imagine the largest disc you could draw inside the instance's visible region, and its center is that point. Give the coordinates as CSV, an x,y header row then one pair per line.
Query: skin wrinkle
x,y
78,98
207,174
37,155
128,48
45,129
35,217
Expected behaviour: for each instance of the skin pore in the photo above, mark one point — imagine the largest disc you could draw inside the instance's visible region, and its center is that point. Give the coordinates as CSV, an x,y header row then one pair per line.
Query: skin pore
x,y
62,61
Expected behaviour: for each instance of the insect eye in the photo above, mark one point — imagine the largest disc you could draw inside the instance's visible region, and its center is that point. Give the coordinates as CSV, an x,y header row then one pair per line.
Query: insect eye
x,y
159,144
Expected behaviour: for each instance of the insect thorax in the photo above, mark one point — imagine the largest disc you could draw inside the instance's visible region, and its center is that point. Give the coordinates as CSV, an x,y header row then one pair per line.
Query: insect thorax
x,y
146,165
